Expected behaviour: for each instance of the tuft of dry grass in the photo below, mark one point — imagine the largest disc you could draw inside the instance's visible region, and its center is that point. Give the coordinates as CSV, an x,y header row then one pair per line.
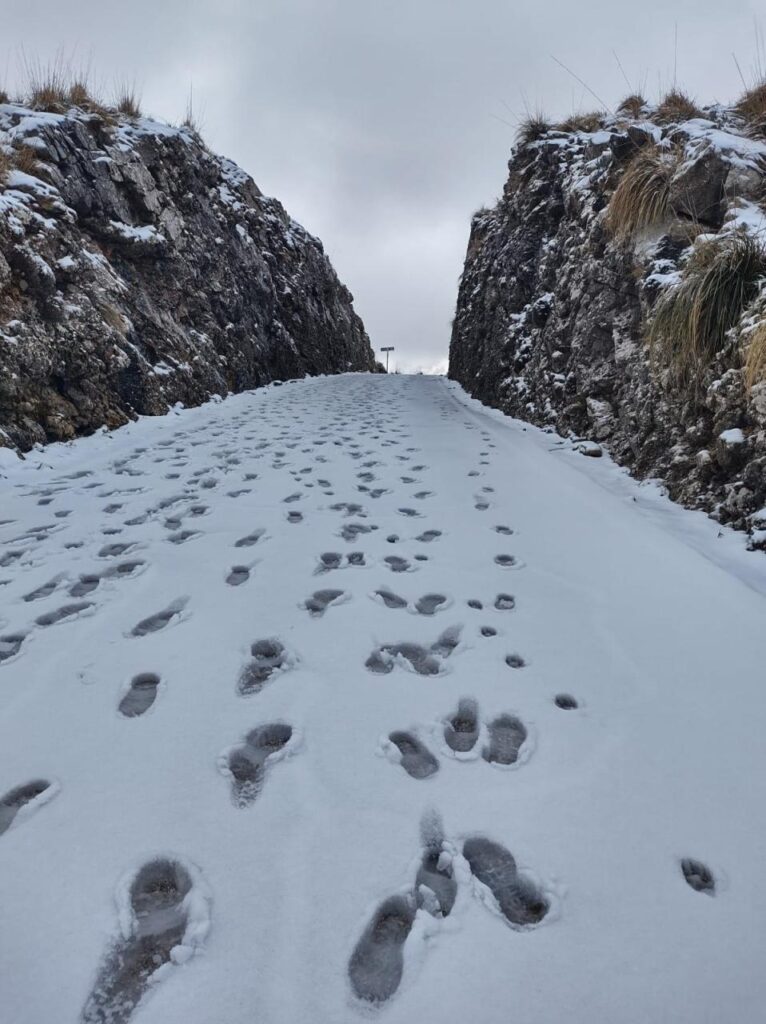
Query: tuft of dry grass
x,y
677,106
25,159
752,107
755,355
128,101
532,129
79,94
5,165
4,97
642,197
691,321
632,105
589,122
47,84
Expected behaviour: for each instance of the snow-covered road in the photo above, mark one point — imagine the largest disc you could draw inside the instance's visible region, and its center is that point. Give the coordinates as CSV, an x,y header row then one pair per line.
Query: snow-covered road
x,y
361,692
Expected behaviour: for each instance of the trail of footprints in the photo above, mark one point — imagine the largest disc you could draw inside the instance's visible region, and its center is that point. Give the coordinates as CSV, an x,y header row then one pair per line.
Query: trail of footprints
x,y
376,965
166,902
505,736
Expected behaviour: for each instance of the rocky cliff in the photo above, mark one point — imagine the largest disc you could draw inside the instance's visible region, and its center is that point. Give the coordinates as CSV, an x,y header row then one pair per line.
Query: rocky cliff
x,y
138,270
588,303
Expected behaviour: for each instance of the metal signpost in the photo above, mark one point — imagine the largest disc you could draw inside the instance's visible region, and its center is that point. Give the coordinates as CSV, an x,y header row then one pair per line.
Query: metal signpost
x,y
390,348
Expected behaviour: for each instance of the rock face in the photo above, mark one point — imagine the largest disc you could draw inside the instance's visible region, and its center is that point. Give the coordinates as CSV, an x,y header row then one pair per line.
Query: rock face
x,y
552,309
138,270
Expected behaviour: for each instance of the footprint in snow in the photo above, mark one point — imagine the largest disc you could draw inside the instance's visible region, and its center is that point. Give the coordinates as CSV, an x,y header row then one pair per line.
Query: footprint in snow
x,y
506,561
154,623
517,897
267,657
514,661
238,575
140,696
351,531
166,916
565,701
396,563
461,730
320,601
424,661
698,875
507,734
43,591
250,539
247,764
67,611
85,585
416,759
113,550
10,645
24,800
430,603
377,962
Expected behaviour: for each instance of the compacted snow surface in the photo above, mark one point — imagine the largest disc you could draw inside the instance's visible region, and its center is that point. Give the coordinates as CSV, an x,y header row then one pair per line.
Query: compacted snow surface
x,y
348,699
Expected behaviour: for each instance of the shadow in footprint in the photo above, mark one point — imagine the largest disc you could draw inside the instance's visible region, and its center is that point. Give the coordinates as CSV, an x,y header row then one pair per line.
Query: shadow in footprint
x,y
159,908
698,875
376,965
506,736
17,798
141,695
247,764
461,730
268,656
518,898
416,759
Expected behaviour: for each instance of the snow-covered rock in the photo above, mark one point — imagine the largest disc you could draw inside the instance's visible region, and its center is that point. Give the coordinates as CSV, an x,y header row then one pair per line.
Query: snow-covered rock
x,y
128,246
552,309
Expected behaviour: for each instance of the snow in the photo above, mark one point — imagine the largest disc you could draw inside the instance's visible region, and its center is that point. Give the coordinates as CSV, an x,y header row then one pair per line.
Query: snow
x,y
732,436
649,615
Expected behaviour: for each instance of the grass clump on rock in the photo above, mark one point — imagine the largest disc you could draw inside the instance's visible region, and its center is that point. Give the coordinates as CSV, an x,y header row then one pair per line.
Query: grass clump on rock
x,y
632,105
751,106
642,197
589,122
532,129
691,321
677,106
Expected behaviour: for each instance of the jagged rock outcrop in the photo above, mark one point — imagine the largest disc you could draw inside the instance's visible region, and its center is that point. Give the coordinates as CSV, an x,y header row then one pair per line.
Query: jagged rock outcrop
x,y
138,270
553,306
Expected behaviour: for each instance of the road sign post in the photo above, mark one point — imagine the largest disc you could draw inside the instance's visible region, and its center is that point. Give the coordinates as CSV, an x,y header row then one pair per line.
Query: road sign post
x,y
387,349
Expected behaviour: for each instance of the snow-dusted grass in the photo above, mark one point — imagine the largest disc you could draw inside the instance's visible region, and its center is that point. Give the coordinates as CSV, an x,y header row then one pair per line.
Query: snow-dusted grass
x,y
691,321
634,607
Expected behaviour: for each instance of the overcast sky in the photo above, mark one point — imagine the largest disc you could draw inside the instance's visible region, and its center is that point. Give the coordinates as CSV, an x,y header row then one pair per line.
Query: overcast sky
x,y
379,123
